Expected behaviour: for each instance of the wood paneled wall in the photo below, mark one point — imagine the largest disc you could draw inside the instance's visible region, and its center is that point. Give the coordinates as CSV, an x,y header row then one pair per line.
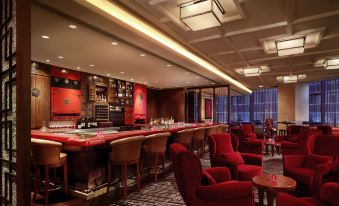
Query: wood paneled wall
x,y
166,103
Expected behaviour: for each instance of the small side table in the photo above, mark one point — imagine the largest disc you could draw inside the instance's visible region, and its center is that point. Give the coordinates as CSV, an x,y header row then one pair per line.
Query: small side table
x,y
264,183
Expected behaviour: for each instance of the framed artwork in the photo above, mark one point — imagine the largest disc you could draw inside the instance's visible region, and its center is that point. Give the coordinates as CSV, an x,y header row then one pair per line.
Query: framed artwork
x,y
208,109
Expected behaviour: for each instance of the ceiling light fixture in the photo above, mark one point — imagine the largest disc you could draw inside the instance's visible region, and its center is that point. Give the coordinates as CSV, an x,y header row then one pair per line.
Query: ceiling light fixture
x,y
252,71
261,86
290,46
332,64
78,68
122,72
45,37
60,57
114,43
64,71
108,75
115,11
72,26
142,55
291,78
201,14
91,65
47,60
168,65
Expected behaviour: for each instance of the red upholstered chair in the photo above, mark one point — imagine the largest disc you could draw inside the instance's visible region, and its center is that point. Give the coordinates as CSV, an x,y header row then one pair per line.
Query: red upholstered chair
x,y
243,166
325,129
300,147
328,196
249,130
335,131
246,145
293,133
220,190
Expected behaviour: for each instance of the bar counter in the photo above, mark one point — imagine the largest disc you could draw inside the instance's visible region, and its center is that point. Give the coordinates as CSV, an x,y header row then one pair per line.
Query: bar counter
x,y
87,154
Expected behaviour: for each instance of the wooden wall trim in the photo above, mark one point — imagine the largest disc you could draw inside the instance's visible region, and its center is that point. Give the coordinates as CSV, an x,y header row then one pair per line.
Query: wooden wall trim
x,y
23,85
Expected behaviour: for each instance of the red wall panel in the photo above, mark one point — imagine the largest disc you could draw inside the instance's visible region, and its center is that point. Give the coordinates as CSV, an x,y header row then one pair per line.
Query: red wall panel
x,y
65,101
72,75
140,101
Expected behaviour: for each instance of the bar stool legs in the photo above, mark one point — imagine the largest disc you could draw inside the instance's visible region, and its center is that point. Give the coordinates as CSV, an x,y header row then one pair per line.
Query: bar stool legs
x,y
46,183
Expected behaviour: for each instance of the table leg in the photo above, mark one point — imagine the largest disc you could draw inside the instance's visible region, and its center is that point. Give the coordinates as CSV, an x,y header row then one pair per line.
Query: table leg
x,y
270,197
261,197
266,147
272,150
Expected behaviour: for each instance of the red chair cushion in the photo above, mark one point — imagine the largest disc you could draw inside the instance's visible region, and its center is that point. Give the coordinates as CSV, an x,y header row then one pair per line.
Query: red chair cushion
x,y
247,172
207,179
234,158
293,138
223,143
311,160
247,128
303,175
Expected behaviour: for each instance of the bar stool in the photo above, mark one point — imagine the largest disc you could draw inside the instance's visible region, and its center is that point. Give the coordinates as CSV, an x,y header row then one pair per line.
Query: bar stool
x,y
47,154
223,128
184,137
199,139
125,152
155,147
209,131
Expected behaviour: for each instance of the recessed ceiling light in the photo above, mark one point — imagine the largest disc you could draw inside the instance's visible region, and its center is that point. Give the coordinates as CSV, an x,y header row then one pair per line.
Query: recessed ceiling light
x,y
132,80
197,77
91,65
45,37
72,26
60,57
145,82
47,60
188,82
168,65
114,43
108,75
78,68
63,71
142,55
261,86
122,72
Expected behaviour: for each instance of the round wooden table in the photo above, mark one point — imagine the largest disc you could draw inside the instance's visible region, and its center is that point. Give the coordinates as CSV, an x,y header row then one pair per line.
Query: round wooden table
x,y
264,183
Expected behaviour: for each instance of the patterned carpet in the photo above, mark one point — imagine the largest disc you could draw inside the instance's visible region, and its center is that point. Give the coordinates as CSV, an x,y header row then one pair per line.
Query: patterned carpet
x,y
165,193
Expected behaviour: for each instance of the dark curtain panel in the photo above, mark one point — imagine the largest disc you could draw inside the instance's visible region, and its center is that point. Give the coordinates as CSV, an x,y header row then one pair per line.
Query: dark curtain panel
x,y
240,108
331,107
315,103
265,105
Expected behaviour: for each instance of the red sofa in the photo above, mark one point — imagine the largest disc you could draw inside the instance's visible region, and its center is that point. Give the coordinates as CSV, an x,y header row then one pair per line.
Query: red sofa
x,y
299,147
220,189
243,166
329,196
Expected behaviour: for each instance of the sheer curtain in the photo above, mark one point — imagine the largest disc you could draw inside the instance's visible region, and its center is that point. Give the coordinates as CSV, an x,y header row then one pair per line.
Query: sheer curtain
x,y
315,102
265,104
331,102
240,108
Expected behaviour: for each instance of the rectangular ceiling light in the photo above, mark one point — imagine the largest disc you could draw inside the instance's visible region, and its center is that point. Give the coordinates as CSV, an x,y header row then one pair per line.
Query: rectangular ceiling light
x,y
201,14
113,10
332,64
290,79
252,72
290,47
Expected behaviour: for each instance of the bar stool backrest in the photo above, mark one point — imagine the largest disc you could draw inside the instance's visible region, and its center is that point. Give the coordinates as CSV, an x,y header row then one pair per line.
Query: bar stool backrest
x,y
127,149
199,133
185,136
210,130
45,152
156,143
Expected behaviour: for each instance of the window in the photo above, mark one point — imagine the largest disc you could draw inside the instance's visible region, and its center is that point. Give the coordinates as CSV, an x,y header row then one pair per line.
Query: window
x,y
315,103
265,104
240,107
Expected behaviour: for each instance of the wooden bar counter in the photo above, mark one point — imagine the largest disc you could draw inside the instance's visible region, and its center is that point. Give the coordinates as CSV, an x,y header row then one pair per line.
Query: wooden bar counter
x,y
87,154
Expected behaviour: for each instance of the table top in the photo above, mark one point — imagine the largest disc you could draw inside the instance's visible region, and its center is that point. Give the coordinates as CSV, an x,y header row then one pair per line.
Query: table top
x,y
282,183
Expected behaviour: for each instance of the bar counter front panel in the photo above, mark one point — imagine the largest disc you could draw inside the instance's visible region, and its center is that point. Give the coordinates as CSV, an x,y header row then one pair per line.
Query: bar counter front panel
x,y
87,154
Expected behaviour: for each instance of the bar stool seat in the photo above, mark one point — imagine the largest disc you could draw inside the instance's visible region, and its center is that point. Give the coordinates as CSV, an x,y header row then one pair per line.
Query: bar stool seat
x,y
155,147
47,154
184,137
125,152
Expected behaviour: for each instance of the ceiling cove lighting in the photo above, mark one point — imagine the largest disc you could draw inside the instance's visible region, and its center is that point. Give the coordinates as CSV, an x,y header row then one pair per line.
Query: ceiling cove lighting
x,y
201,14
291,46
332,64
144,28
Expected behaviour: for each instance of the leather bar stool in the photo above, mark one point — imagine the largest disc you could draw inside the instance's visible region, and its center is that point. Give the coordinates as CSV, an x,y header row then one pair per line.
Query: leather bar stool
x,y
199,139
184,137
155,147
47,154
125,152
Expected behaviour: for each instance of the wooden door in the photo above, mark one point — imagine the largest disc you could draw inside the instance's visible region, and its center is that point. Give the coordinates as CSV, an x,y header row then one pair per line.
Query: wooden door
x,y
40,99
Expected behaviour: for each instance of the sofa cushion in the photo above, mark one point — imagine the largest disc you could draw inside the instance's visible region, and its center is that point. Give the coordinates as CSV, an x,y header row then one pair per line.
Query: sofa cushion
x,y
312,160
234,158
303,175
247,172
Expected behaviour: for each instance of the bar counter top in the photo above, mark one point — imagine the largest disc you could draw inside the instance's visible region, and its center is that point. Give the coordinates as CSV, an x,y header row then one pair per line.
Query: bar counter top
x,y
81,140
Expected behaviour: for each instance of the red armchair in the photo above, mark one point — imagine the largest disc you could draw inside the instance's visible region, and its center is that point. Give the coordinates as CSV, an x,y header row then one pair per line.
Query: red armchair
x,y
243,166
300,147
293,133
245,144
325,129
328,196
220,190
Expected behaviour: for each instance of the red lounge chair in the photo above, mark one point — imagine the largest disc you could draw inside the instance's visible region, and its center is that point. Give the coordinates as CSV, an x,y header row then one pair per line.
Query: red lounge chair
x,y
293,133
329,195
247,144
243,166
219,191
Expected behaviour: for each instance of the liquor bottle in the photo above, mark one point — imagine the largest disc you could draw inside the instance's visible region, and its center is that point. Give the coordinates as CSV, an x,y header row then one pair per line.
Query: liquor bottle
x,y
78,124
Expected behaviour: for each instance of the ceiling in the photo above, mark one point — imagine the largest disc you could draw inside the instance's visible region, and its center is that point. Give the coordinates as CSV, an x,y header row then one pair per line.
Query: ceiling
x,y
238,42
235,44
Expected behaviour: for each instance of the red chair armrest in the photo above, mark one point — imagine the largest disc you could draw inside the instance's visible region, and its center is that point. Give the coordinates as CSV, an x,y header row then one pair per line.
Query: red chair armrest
x,y
220,174
329,192
293,160
319,171
284,199
252,159
225,191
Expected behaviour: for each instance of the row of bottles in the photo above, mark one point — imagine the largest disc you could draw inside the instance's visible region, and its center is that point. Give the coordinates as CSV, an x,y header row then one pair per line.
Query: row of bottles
x,y
86,122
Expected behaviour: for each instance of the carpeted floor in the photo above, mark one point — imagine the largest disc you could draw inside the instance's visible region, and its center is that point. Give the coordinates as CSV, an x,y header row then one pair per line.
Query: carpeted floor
x,y
165,191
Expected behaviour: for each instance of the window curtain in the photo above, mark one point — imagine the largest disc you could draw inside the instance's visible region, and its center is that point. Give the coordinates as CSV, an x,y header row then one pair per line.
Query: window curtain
x,y
265,104
331,101
221,109
240,108
315,103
